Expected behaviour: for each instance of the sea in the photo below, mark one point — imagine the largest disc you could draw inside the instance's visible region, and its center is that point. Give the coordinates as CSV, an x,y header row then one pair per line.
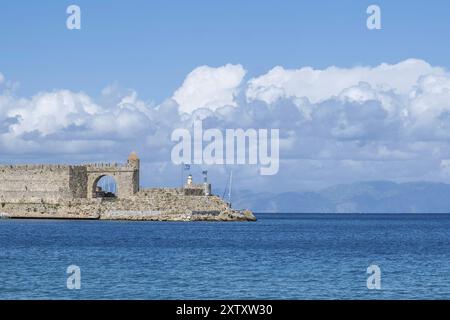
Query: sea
x,y
281,256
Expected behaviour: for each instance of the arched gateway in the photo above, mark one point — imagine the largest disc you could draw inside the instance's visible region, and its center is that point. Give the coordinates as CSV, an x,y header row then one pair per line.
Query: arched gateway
x,y
126,176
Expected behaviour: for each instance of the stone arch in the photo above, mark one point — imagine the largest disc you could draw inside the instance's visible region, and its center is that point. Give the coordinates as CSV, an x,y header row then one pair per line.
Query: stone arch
x,y
125,175
97,180
94,178
126,178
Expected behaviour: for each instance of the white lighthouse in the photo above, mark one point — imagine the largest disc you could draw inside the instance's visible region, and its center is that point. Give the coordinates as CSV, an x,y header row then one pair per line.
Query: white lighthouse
x,y
189,180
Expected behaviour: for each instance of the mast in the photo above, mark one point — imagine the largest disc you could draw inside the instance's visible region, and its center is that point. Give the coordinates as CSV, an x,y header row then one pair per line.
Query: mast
x,y
229,190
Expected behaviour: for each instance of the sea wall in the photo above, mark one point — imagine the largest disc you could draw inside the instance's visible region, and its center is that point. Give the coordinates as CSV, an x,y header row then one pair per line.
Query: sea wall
x,y
150,204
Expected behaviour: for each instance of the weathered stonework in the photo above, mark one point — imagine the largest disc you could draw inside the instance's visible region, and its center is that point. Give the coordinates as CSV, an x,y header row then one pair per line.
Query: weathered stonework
x,y
69,192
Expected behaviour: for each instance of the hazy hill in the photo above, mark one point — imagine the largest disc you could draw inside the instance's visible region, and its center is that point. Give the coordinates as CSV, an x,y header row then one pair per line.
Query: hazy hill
x,y
361,197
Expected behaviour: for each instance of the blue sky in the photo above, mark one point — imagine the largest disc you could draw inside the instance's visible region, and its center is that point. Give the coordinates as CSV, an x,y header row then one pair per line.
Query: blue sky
x,y
351,104
151,45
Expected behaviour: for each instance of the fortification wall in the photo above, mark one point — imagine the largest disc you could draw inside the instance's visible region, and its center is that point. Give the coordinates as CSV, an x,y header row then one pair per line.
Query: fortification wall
x,y
78,179
56,183
40,183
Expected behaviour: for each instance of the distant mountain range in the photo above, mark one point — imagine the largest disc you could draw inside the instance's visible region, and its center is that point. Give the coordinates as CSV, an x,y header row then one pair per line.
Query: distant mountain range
x,y
361,197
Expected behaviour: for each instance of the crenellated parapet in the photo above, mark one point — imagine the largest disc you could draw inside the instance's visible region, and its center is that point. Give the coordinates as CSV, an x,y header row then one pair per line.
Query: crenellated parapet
x,y
33,167
110,167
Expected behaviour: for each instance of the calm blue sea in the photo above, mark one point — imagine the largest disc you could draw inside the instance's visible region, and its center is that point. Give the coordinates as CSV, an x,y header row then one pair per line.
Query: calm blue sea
x,y
282,256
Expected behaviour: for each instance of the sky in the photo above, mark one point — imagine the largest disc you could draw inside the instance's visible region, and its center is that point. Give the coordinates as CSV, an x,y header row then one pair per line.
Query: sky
x,y
351,103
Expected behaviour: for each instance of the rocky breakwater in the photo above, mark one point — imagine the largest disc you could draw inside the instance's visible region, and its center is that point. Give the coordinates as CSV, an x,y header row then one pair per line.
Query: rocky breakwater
x,y
172,205
151,205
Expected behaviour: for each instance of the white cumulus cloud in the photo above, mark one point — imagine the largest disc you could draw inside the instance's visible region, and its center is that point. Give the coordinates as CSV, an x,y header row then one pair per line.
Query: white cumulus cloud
x,y
212,88
319,85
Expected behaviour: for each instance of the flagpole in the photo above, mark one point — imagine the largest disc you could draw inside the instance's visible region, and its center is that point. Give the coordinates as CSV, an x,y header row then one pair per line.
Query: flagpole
x,y
231,182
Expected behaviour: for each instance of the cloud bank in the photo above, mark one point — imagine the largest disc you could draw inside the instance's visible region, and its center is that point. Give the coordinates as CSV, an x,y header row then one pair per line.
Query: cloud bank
x,y
337,125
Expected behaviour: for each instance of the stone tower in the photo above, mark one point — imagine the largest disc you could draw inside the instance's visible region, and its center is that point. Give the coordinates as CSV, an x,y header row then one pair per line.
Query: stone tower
x,y
134,160
135,163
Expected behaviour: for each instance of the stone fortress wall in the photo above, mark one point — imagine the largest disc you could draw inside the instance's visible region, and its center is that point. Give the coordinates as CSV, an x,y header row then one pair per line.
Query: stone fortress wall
x,y
65,191
57,183
41,183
